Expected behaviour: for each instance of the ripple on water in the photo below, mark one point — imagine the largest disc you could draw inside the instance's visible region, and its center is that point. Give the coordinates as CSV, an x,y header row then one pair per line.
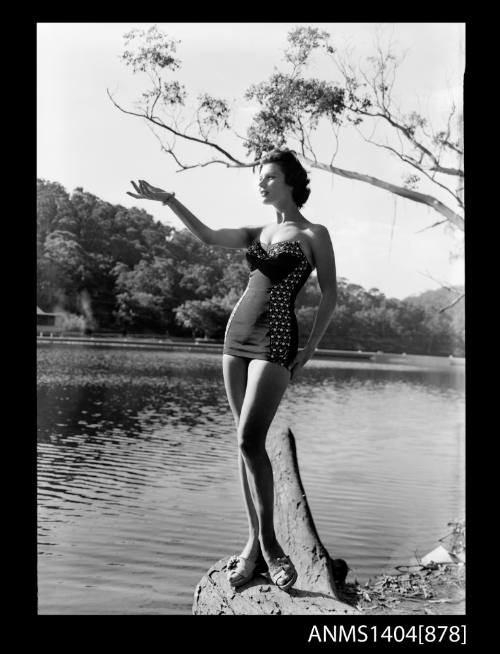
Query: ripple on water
x,y
138,487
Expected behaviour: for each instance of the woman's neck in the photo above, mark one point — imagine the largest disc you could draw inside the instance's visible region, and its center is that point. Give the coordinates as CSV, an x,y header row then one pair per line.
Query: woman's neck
x,y
289,214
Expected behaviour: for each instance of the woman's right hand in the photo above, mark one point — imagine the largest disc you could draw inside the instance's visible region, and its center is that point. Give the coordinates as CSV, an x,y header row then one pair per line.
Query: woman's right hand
x,y
147,192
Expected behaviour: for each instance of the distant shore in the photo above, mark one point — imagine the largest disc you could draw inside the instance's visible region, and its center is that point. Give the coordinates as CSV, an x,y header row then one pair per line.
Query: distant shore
x,y
209,346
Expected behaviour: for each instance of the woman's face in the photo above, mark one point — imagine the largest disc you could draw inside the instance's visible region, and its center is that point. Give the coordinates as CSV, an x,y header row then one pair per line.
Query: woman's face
x,y
272,186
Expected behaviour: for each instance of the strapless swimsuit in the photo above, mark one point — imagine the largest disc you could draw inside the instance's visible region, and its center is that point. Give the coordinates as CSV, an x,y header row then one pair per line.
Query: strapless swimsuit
x,y
263,324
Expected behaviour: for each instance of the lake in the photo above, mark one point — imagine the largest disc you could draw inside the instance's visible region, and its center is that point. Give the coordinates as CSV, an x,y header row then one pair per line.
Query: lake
x,y
138,488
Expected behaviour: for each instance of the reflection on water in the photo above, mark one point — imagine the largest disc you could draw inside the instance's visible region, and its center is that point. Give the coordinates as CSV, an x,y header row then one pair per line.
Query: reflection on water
x,y
138,489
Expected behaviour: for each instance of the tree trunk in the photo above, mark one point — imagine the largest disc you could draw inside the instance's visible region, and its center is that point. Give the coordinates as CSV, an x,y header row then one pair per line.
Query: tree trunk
x,y
319,577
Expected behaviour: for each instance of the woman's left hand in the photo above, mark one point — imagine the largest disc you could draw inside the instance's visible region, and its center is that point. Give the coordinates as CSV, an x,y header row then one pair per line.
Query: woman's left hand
x,y
301,358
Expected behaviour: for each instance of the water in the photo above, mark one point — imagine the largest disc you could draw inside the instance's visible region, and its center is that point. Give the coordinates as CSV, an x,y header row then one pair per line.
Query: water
x,y
138,489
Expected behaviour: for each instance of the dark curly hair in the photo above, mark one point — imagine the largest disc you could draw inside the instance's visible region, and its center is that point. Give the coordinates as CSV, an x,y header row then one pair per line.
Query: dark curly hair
x,y
295,173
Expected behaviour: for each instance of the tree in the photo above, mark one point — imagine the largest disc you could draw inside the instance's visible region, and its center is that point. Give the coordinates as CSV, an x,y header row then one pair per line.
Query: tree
x,y
136,274
205,318
145,294
80,240
292,106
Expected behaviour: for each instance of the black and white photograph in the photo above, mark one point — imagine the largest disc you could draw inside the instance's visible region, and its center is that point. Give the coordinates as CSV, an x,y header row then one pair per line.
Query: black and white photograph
x,y
250,321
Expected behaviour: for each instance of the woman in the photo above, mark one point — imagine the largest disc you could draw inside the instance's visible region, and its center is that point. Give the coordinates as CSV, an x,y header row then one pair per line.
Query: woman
x,y
260,354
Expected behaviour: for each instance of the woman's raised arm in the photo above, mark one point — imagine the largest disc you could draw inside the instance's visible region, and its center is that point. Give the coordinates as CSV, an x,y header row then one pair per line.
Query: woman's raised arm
x,y
229,238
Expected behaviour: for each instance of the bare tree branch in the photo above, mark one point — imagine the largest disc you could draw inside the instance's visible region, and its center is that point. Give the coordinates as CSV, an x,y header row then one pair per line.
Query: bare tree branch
x,y
441,283
170,129
452,304
310,147
440,222
454,218
381,83
456,172
407,132
158,95
302,137
169,150
411,162
452,146
337,144
460,294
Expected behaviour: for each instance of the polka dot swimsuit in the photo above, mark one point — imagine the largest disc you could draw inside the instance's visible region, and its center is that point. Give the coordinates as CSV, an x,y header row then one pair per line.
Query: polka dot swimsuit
x,y
263,325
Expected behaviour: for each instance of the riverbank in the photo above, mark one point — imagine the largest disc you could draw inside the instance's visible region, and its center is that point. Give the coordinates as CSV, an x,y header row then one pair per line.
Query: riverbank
x,y
200,345
432,585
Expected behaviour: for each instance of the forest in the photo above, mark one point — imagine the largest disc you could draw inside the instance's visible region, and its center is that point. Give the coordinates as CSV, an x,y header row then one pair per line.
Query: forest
x,y
111,268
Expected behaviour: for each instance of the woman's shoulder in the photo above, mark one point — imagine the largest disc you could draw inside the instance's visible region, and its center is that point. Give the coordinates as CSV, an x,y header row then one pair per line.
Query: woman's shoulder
x,y
317,231
317,227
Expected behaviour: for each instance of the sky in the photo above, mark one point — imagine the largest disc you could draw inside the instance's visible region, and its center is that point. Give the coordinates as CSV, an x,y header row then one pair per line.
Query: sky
x,y
83,140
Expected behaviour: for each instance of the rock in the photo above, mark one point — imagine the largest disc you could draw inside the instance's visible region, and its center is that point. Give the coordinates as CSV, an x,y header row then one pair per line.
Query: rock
x,y
439,555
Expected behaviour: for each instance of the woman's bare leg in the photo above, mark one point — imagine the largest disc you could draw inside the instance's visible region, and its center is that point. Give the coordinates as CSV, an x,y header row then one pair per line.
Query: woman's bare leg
x,y
265,386
235,380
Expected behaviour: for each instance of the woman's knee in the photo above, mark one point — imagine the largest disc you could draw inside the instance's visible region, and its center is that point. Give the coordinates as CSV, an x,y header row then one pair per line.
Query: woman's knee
x,y
251,441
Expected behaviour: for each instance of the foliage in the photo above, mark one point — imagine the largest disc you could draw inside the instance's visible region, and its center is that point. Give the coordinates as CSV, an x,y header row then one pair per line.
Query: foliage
x,y
433,301
291,107
368,320
204,317
299,110
117,268
144,294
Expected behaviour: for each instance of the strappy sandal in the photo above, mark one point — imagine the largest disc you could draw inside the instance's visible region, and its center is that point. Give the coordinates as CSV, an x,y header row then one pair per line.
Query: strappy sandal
x,y
240,570
282,572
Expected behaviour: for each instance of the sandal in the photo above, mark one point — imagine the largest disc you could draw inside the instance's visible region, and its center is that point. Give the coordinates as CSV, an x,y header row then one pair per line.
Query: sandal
x,y
282,572
239,570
